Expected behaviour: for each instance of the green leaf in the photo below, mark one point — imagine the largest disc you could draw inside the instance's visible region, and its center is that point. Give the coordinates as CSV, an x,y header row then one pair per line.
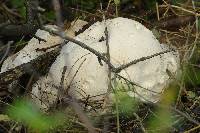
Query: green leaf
x,y
162,119
22,11
24,111
162,122
126,104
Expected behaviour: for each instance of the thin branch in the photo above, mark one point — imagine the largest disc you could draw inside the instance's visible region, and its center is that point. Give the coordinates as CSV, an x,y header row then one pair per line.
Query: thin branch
x,y
79,111
108,57
83,45
135,84
101,56
192,129
120,68
57,9
4,24
61,89
186,116
29,28
13,30
140,122
189,118
75,75
7,51
31,10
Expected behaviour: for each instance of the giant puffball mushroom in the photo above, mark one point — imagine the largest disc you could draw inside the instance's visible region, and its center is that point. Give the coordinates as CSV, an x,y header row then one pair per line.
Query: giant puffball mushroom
x,y
87,76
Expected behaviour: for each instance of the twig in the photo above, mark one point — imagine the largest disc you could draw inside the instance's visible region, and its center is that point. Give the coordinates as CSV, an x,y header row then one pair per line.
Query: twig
x,y
79,111
157,10
180,8
45,49
83,45
10,11
31,11
185,116
39,39
4,24
61,90
101,56
75,75
192,129
117,70
117,109
18,30
28,28
82,124
108,57
57,8
76,62
140,122
197,34
7,51
189,118
135,84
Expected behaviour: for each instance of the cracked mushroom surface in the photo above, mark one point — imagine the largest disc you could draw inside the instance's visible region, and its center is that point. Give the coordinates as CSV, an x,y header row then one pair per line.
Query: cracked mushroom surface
x,y
86,76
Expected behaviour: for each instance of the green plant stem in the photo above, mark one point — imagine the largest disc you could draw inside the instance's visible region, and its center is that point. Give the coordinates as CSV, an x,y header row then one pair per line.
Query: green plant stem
x,y
117,109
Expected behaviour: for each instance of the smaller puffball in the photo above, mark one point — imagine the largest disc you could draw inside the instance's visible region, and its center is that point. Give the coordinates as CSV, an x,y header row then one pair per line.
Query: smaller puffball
x,y
29,52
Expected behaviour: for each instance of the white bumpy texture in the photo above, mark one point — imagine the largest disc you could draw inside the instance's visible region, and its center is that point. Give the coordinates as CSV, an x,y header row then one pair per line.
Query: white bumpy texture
x,y
85,75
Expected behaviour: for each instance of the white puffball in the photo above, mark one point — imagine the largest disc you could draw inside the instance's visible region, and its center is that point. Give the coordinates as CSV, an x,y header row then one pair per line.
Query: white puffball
x,y
128,40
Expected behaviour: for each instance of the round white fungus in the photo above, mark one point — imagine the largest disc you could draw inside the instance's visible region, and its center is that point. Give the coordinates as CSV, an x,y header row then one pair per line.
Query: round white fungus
x,y
87,76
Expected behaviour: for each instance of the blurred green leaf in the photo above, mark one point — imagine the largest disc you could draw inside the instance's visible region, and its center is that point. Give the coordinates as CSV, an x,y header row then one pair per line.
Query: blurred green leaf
x,y
163,119
22,11
126,104
24,111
